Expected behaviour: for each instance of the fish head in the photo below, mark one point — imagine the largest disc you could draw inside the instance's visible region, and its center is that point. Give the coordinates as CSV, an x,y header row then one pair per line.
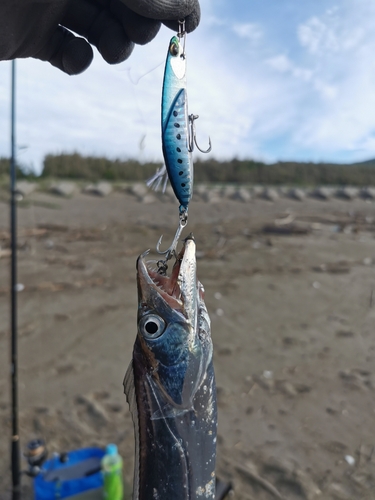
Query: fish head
x,y
173,341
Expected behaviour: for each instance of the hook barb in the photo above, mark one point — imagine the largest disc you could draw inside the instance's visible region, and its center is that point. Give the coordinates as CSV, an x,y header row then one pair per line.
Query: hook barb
x,y
193,136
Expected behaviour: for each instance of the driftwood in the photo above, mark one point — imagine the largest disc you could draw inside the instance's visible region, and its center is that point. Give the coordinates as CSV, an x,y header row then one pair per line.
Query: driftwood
x,y
249,471
286,229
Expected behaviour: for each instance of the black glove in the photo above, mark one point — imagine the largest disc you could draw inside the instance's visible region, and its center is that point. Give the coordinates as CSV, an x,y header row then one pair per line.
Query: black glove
x,y
40,29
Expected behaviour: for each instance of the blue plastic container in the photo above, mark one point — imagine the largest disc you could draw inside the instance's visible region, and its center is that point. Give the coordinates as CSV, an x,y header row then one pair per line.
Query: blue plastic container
x,y
81,472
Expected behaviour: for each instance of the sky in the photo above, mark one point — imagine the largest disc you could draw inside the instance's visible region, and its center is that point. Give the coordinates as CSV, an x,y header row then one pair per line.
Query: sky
x,y
271,80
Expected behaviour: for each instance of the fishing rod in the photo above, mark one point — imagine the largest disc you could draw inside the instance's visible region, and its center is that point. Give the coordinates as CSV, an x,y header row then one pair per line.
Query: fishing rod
x,y
15,444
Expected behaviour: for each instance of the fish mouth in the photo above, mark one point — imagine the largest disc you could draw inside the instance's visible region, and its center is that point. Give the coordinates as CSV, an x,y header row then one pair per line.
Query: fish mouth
x,y
176,288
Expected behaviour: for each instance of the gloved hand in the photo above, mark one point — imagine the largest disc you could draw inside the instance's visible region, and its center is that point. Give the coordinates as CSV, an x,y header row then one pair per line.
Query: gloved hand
x,y
35,28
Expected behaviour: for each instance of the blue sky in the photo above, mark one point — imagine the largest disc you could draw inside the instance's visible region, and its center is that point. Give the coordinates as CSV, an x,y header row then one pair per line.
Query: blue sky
x,y
270,80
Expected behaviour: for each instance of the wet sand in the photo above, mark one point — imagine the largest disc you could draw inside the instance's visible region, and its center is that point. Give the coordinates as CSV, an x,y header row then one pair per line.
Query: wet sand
x,y
292,305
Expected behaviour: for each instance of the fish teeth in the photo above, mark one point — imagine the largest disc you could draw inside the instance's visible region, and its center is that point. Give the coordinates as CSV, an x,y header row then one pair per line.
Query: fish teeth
x,y
159,284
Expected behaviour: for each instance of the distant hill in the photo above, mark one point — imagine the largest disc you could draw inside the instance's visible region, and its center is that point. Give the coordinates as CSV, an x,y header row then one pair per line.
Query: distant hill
x,y
369,163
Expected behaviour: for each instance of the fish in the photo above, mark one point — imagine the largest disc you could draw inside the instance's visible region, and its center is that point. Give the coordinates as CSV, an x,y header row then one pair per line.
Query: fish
x,y
170,385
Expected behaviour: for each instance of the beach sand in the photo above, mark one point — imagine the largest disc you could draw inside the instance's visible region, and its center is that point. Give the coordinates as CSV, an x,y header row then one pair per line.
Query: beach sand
x,y
290,291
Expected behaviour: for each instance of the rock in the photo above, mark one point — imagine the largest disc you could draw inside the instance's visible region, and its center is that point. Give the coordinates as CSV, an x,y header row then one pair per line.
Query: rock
x,y
283,191
65,188
257,191
368,193
139,190
228,192
297,194
264,382
270,194
148,199
211,196
349,460
286,388
100,189
322,193
347,193
121,187
242,194
25,188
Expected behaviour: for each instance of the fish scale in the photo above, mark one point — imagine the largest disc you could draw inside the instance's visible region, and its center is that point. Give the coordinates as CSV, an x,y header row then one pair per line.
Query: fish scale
x,y
176,152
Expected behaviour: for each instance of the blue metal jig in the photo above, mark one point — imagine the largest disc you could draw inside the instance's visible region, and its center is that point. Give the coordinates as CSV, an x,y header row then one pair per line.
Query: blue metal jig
x,y
178,132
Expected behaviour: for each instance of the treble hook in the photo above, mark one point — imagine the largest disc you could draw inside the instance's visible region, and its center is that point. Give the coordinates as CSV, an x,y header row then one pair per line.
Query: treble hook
x,y
172,249
193,136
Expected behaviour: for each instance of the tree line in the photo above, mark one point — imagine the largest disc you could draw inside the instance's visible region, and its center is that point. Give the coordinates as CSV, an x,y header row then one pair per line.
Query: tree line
x,y
90,168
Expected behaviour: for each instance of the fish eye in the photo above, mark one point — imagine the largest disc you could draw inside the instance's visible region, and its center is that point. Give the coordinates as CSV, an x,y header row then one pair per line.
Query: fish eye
x,y
173,49
152,326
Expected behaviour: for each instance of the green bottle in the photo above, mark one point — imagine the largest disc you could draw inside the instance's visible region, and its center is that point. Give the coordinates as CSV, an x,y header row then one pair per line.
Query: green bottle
x,y
113,488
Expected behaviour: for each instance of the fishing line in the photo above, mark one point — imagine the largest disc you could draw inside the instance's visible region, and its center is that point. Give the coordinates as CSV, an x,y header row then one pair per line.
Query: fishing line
x,y
135,82
142,144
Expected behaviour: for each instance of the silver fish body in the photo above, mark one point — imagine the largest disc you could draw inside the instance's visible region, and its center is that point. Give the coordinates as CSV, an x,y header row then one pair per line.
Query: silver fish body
x,y
170,386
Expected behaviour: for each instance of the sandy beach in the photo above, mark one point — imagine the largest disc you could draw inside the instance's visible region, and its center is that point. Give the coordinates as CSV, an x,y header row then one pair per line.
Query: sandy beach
x,y
290,291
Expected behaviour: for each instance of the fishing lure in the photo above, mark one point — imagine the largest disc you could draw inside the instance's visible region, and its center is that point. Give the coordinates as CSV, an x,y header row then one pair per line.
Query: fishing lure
x,y
178,132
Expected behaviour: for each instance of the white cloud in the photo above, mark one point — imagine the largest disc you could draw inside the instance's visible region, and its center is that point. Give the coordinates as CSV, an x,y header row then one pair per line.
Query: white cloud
x,y
340,47
280,63
326,90
248,31
283,64
317,36
338,30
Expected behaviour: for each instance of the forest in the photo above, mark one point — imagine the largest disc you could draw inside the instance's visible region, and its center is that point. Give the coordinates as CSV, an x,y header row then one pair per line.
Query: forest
x,y
90,168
